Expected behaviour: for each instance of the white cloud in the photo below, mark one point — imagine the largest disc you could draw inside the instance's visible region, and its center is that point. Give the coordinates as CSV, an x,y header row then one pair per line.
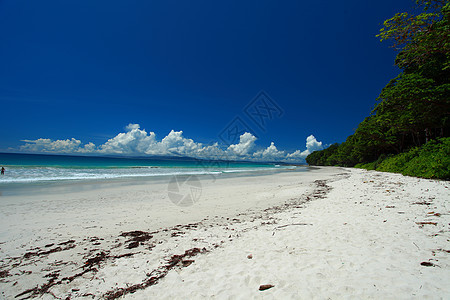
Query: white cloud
x,y
175,143
311,145
47,145
212,152
134,141
271,153
297,154
246,143
137,141
132,126
88,148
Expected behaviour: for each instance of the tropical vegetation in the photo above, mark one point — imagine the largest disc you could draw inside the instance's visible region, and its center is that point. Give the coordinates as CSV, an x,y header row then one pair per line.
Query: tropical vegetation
x,y
408,130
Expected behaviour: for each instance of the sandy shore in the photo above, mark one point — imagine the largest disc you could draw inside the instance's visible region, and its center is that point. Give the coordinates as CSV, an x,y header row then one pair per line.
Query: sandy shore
x,y
329,233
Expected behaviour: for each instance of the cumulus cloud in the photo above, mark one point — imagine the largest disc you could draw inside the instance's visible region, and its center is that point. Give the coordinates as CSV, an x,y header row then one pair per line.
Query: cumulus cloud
x,y
311,145
88,148
246,143
133,141
47,145
175,143
137,141
271,153
132,126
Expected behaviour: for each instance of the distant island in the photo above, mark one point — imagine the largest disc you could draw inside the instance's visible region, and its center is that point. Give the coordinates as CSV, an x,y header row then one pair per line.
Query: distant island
x,y
408,130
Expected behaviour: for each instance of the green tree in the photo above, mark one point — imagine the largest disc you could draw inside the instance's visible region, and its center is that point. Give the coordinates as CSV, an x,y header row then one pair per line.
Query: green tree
x,y
414,107
423,39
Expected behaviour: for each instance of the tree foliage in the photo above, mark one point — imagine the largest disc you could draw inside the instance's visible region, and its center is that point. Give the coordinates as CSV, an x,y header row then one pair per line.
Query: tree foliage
x,y
431,160
414,108
422,39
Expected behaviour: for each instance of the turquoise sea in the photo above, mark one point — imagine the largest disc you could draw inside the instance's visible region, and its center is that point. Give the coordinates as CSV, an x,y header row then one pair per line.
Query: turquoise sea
x,y
23,169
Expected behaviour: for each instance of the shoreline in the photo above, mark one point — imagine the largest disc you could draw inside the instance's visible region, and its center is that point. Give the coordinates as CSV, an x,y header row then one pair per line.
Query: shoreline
x,y
288,227
32,187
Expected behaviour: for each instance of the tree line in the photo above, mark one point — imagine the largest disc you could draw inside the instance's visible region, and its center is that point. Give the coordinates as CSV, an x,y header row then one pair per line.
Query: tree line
x,y
413,109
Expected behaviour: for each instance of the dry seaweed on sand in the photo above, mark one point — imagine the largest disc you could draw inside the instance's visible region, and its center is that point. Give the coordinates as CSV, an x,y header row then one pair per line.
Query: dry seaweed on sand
x,y
158,274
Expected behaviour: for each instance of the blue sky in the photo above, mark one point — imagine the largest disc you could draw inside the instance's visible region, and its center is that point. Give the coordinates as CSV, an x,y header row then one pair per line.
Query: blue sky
x,y
85,70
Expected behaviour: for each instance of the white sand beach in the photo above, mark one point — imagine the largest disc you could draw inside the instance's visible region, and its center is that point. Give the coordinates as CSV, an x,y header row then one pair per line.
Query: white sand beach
x,y
329,233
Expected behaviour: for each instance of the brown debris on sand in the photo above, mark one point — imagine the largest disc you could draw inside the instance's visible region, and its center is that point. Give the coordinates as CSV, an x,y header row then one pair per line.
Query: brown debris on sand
x,y
96,260
264,287
137,238
427,223
4,274
53,277
156,275
70,244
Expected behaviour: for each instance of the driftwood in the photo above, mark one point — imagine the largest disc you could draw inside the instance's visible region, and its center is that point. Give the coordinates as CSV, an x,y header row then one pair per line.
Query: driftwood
x,y
293,224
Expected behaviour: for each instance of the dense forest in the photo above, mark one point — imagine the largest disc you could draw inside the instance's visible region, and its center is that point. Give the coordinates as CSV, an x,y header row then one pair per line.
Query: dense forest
x,y
408,130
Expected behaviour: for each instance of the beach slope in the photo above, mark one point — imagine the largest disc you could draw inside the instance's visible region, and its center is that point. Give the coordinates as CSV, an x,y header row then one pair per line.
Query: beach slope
x,y
329,233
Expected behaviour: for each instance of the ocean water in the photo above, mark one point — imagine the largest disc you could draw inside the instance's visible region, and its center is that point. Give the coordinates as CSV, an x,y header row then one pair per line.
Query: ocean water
x,y
26,169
